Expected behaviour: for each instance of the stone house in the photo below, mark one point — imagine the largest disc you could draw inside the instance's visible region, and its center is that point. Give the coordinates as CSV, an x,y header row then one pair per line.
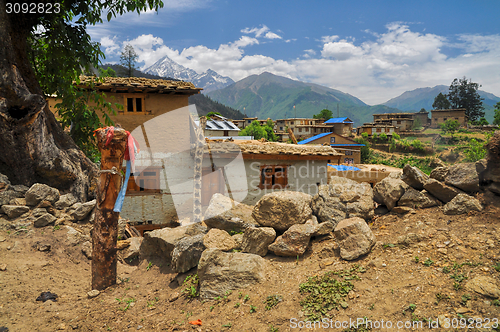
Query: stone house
x,y
376,128
441,116
162,187
142,98
303,128
402,121
350,149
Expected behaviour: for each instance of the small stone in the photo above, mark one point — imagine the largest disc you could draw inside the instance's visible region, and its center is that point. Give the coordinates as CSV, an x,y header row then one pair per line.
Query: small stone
x,y
44,247
462,310
2,239
173,297
3,267
442,321
442,251
61,326
93,293
87,249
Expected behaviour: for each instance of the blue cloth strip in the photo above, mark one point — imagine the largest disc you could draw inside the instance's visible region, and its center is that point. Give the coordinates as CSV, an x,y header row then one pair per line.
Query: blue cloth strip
x,y
123,190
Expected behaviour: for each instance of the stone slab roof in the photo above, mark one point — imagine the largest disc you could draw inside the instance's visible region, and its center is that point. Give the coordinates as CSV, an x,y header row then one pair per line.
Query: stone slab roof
x,y
137,84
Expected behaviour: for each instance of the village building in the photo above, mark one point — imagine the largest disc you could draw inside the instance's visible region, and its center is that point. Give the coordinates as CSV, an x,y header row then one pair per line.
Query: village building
x,y
219,126
303,128
142,98
242,170
441,116
350,149
376,128
403,121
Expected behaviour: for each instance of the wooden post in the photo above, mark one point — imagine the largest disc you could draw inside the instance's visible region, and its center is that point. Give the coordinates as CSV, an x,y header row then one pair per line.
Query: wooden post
x,y
105,233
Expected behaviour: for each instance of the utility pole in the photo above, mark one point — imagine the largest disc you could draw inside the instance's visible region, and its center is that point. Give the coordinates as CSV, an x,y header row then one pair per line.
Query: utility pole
x,y
338,111
295,111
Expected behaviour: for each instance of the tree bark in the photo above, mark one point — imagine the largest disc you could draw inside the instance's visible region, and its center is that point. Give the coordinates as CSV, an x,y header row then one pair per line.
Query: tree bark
x,y
33,146
105,232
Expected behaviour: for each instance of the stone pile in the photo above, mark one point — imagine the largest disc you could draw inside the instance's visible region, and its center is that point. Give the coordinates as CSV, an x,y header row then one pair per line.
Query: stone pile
x,y
228,253
451,186
40,206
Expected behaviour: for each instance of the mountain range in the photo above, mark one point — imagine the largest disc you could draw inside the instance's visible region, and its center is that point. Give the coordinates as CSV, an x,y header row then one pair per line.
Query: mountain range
x,y
270,96
209,80
417,99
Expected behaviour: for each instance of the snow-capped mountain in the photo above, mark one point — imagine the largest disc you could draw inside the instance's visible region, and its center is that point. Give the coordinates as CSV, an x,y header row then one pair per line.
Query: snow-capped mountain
x,y
209,80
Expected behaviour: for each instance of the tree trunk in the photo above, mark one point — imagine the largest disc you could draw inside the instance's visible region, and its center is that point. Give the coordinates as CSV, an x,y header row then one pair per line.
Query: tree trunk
x,y
33,146
105,232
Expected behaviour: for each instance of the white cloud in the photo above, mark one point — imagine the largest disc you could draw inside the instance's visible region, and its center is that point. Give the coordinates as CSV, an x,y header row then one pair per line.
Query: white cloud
x,y
263,31
328,39
376,70
271,35
111,46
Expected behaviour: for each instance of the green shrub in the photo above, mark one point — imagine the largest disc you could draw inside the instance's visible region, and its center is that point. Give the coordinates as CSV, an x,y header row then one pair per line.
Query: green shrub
x,y
475,151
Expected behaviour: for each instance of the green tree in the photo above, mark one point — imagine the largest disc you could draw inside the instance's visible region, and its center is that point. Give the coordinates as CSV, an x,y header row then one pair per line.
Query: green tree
x,y
417,124
324,114
475,151
450,126
366,151
210,114
463,94
496,118
128,58
383,137
43,54
108,72
441,102
481,122
255,130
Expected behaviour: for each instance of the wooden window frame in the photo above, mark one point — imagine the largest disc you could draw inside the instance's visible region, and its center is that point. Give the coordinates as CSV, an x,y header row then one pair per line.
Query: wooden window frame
x,y
269,181
348,153
134,189
332,139
134,97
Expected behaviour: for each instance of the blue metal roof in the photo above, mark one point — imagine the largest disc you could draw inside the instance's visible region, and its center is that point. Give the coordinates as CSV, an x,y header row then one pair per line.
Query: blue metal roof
x,y
310,139
338,120
342,144
344,168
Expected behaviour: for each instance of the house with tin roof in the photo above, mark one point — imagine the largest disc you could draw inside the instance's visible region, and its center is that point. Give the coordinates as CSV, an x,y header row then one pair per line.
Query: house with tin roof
x,y
350,149
340,126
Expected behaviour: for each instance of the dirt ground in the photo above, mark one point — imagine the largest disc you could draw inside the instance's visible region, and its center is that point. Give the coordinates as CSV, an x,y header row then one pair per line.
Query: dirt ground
x,y
394,288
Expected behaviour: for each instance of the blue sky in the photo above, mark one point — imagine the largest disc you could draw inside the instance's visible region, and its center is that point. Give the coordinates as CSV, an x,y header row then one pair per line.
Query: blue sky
x,y
374,50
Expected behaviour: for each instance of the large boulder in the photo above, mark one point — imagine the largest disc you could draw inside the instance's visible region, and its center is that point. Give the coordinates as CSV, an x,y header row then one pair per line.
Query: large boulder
x,y
224,213
81,211
187,253
492,172
220,272
257,240
8,195
414,177
41,192
463,176
294,241
441,191
161,242
440,173
343,198
388,191
282,209
417,199
44,219
65,201
132,251
219,239
484,285
355,238
462,203
14,211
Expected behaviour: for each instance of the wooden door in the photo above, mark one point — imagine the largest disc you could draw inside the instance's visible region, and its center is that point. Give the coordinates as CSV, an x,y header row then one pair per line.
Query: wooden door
x,y
212,183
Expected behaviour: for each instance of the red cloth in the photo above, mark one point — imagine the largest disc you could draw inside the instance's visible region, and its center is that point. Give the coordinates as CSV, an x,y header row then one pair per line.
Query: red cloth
x,y
195,322
109,135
